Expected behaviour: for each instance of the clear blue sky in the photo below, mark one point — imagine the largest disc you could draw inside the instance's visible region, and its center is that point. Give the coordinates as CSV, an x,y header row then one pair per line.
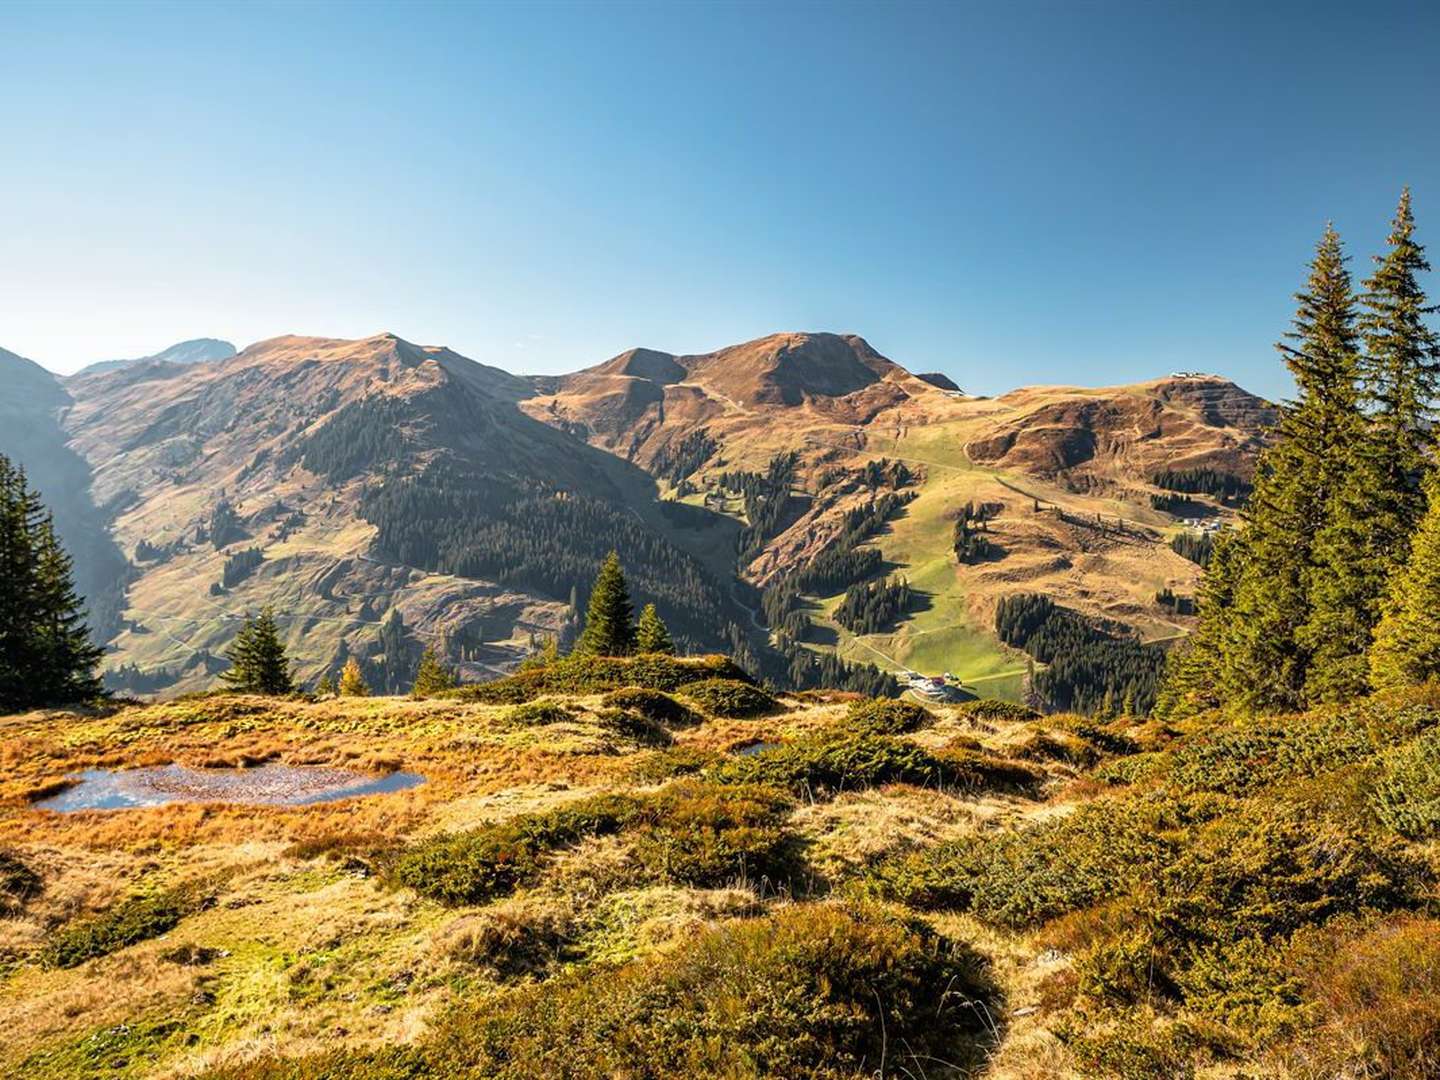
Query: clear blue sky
x,y
1007,192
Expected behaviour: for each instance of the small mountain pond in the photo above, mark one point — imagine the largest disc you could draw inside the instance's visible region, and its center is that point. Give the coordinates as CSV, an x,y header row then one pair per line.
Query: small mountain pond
x,y
264,785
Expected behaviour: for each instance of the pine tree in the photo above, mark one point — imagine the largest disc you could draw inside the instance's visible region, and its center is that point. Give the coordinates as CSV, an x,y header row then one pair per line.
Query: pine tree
x,y
433,676
68,674
46,658
608,627
1191,682
1265,660
651,635
1407,640
1378,508
258,661
326,686
352,680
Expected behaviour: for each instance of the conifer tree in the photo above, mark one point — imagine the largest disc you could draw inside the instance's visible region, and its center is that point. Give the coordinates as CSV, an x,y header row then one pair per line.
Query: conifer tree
x,y
1265,659
45,654
352,680
1367,536
608,627
1407,639
258,661
651,634
433,676
1191,683
326,686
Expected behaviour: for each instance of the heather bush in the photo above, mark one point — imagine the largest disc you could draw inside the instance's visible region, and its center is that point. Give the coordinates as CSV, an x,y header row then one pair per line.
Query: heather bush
x,y
729,698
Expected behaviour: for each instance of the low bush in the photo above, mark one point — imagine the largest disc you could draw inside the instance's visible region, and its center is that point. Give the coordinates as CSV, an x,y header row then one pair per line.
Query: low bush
x,y
593,674
729,698
137,919
827,764
18,883
1058,746
512,938
1407,794
886,716
485,863
672,762
1379,997
539,713
1026,877
654,705
634,727
995,711
817,991
694,833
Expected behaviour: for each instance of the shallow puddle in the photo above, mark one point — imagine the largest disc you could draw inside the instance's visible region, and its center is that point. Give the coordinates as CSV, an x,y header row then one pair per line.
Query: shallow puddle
x,y
751,749
264,785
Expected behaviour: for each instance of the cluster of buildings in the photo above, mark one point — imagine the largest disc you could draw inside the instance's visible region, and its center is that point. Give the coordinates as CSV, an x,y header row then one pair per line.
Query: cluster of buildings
x,y
935,687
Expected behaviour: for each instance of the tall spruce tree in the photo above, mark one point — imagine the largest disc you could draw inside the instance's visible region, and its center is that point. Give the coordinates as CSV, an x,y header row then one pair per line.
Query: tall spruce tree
x,y
258,661
609,630
1379,506
45,653
651,634
1265,659
1407,640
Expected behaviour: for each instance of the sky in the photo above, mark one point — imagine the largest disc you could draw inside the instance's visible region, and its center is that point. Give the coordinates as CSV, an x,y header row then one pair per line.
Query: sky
x,y
1010,193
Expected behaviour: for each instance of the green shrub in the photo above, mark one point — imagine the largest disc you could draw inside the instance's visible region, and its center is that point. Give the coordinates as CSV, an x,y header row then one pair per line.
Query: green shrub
x,y
1026,877
654,705
18,883
995,711
539,713
1135,769
592,674
694,833
635,728
1058,746
479,865
134,920
729,698
1407,794
886,716
824,765
814,991
672,762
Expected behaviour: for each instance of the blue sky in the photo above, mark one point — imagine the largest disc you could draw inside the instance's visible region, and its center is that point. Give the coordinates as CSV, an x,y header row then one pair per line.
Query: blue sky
x,y
1008,192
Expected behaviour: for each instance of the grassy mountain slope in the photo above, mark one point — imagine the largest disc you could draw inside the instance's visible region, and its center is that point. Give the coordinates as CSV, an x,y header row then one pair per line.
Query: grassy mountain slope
x,y
592,884
839,405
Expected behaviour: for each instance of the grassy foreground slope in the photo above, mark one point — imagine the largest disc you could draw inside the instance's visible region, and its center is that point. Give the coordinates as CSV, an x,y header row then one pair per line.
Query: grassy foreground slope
x,y
603,881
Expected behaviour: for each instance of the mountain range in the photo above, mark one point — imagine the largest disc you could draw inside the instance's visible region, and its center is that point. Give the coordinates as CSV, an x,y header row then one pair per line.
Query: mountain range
x,y
381,496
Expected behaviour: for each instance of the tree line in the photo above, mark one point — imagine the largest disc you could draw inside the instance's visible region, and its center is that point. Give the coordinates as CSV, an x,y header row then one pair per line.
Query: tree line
x,y
1329,589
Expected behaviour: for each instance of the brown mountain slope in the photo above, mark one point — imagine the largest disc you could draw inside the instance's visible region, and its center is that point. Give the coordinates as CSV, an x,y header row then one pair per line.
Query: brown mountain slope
x,y
360,470
1067,472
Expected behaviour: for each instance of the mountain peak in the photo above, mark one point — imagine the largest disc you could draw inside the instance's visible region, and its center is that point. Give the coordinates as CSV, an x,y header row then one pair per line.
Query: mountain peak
x,y
194,351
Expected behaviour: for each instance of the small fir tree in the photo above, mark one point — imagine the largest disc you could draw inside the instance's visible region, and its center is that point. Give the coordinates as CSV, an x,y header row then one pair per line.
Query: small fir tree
x,y
258,661
352,680
1407,640
326,686
46,657
433,676
609,630
651,634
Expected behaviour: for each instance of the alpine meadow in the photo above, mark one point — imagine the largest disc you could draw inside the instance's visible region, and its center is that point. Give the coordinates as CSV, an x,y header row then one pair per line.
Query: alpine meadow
x,y
1029,700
